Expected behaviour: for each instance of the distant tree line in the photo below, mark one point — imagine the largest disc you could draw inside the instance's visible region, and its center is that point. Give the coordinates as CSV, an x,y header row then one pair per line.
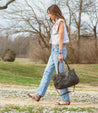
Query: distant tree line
x,y
28,47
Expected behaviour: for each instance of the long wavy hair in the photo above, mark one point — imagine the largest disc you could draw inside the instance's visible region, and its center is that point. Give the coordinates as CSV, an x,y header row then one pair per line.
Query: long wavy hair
x,y
55,10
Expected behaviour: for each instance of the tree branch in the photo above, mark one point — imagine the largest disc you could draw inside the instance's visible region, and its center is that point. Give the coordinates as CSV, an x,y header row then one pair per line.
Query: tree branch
x,y
6,5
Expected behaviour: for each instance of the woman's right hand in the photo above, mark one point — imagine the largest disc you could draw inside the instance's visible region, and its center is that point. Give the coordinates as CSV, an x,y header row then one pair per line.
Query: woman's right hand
x,y
60,57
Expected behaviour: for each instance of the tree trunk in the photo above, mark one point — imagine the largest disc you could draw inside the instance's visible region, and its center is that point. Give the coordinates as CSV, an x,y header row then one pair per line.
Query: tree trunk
x,y
69,26
95,41
78,30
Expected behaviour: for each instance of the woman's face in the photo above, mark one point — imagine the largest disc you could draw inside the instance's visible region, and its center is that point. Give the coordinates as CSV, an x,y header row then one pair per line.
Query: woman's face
x,y
53,17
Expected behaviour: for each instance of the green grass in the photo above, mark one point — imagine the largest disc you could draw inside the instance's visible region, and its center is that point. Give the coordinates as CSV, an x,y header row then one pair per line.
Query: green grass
x,y
40,109
29,74
19,74
88,73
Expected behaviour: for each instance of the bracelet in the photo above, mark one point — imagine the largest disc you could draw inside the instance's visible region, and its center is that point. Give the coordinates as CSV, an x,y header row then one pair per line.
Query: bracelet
x,y
60,52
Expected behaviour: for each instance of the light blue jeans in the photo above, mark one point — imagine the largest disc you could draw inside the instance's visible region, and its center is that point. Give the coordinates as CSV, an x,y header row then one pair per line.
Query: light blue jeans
x,y
50,68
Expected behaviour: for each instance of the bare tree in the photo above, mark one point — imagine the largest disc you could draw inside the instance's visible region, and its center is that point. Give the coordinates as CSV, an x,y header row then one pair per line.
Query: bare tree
x,y
30,22
6,5
76,11
92,26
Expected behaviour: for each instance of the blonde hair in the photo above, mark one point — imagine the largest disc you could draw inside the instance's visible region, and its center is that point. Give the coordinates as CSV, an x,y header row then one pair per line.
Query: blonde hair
x,y
55,10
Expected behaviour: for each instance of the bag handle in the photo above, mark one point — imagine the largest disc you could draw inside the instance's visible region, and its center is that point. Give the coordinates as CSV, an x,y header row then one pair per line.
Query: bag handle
x,y
65,63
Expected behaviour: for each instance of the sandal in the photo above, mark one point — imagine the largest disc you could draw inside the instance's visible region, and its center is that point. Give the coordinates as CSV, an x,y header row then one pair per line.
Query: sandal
x,y
35,97
63,103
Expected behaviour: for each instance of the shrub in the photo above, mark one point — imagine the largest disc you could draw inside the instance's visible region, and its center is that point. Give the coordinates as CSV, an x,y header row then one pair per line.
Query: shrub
x,y
9,55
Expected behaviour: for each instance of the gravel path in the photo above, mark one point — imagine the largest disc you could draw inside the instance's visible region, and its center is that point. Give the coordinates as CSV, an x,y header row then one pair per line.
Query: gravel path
x,y
16,95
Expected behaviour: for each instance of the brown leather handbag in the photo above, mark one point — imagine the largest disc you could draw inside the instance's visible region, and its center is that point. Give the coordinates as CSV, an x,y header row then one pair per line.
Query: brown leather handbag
x,y
65,79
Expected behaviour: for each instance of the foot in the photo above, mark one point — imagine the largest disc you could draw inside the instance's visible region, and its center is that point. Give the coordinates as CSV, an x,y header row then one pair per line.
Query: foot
x,y
35,97
63,103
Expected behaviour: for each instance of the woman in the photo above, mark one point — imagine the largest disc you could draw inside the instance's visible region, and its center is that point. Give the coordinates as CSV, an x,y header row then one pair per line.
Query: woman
x,y
58,39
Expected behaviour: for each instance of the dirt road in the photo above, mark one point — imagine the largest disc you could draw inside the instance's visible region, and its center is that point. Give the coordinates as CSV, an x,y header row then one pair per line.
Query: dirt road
x,y
11,95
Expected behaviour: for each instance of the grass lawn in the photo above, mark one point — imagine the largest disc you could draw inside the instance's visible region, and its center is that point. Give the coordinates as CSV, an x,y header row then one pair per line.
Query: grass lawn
x,y
28,74
39,109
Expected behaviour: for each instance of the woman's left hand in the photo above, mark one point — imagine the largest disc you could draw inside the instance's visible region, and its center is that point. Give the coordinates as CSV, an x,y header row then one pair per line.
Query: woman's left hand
x,y
60,57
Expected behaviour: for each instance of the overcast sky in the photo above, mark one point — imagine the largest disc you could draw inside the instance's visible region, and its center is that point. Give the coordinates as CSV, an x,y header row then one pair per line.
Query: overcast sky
x,y
3,22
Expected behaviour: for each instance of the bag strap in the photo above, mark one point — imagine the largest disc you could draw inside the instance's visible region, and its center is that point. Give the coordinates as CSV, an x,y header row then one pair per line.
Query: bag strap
x,y
65,63
66,92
